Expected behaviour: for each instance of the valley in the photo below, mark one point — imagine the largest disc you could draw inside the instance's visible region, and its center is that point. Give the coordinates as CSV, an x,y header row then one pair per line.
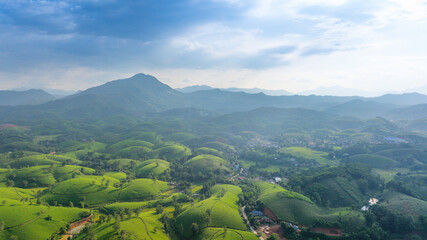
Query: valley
x,y
136,159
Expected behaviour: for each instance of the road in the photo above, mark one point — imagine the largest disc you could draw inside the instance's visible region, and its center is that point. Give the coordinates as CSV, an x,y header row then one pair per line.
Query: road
x,y
249,224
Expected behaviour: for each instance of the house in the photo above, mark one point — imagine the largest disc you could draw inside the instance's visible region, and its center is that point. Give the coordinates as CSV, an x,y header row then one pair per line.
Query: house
x,y
257,213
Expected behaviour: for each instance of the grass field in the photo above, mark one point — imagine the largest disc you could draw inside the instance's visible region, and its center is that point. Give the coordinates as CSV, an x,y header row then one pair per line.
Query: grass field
x,y
92,190
387,175
34,160
140,189
14,195
224,212
37,176
41,138
226,234
404,204
339,191
375,161
117,175
152,167
30,222
128,143
296,208
206,150
145,226
172,151
134,152
207,163
307,153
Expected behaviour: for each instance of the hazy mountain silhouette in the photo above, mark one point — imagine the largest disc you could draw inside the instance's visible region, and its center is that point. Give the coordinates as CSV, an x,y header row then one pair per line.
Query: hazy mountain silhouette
x,y
144,95
28,97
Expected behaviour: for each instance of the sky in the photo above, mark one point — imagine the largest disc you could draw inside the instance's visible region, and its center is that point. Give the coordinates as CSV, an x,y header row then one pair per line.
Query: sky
x,y
297,45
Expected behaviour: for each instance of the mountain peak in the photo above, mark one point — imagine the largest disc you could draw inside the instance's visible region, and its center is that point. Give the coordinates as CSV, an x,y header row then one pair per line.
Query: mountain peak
x,y
142,76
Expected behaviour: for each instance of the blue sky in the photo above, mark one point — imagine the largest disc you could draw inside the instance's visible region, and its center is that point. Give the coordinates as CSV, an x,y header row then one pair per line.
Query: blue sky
x,y
294,45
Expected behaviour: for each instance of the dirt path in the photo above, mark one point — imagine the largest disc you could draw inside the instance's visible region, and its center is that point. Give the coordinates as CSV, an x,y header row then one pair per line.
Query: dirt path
x,y
146,228
76,227
249,224
335,232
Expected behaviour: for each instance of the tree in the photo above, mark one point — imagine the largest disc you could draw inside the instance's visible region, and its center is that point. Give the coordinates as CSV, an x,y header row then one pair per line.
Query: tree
x,y
178,210
273,236
195,228
10,183
117,226
71,204
159,209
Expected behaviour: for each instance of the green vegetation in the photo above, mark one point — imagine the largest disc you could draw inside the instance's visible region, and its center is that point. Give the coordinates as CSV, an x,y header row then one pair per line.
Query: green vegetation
x,y
152,167
303,152
172,152
148,162
207,164
220,210
373,160
36,222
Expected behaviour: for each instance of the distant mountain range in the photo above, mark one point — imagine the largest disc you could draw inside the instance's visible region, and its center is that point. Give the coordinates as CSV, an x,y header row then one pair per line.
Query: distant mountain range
x,y
195,88
144,96
28,97
57,93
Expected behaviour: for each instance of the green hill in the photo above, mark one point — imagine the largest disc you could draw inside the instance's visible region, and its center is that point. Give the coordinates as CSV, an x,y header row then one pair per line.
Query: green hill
x,y
135,152
287,205
140,189
206,150
373,160
146,225
37,176
66,172
404,204
336,192
34,160
307,153
32,222
121,163
88,189
152,167
128,143
172,152
224,213
151,137
207,164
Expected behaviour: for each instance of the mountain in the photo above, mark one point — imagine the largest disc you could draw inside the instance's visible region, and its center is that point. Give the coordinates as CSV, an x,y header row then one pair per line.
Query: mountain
x,y
57,93
405,99
270,120
337,91
29,97
279,92
418,111
361,108
145,96
136,95
195,88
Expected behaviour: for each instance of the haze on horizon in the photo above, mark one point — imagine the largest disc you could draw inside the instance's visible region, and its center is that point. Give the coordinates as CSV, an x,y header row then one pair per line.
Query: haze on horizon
x,y
295,45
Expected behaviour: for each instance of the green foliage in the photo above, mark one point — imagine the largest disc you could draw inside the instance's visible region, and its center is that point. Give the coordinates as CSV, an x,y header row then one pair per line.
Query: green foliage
x,y
224,213
375,161
172,152
207,164
307,153
128,143
36,222
152,167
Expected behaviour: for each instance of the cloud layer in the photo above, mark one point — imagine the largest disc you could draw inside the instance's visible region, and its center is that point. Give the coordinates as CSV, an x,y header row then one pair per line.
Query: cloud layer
x,y
293,44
